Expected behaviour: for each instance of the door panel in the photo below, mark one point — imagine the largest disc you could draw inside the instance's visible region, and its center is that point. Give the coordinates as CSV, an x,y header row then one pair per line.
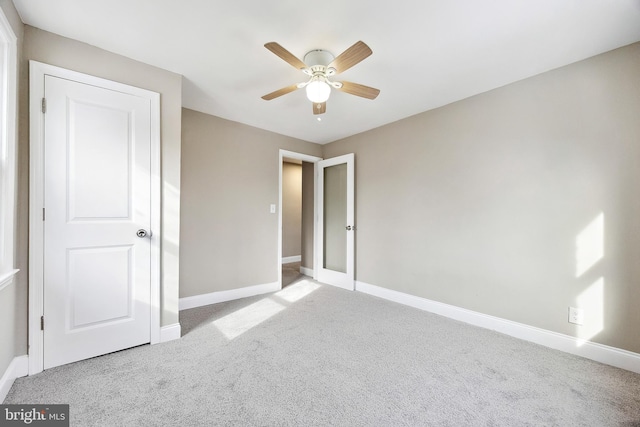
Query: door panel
x,y
335,218
99,150
97,195
335,221
100,285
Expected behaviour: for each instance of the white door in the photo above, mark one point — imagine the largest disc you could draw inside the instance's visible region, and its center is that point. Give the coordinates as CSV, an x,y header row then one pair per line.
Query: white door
x,y
97,189
336,226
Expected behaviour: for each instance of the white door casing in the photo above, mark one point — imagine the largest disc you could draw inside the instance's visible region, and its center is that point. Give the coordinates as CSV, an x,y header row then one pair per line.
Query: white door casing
x,y
304,158
97,182
336,228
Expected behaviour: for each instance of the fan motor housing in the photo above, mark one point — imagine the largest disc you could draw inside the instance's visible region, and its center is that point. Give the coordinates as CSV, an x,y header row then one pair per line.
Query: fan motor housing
x,y
318,57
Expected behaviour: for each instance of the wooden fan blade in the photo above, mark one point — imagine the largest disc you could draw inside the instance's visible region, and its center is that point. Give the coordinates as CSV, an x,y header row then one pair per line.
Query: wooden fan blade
x,y
350,57
359,90
286,55
319,108
280,92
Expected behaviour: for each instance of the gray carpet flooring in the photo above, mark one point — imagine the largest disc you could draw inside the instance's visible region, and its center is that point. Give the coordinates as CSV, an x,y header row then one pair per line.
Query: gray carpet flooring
x,y
315,355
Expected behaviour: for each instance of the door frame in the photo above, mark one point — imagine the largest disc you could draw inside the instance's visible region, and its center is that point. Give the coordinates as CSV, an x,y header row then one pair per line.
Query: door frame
x,y
37,72
309,159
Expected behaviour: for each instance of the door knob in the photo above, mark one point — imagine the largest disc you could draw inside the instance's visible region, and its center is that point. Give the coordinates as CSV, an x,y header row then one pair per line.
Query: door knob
x,y
143,233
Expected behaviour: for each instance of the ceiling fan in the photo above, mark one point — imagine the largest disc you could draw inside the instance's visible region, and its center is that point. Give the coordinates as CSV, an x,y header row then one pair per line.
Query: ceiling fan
x,y
320,65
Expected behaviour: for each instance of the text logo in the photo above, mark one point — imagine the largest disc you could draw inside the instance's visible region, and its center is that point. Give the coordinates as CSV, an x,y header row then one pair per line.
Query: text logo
x,y
34,415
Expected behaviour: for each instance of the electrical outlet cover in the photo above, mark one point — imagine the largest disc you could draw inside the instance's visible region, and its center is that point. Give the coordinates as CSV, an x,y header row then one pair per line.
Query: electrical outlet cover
x,y
576,315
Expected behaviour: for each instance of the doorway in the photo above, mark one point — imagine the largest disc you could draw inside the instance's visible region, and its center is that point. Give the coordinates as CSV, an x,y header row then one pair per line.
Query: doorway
x,y
333,219
292,219
297,216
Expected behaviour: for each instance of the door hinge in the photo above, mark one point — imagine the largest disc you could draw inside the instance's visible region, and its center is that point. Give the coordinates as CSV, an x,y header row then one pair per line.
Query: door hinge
x,y
42,323
44,105
43,215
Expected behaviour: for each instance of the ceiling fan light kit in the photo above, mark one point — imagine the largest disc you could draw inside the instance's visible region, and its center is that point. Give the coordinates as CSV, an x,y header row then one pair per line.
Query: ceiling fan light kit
x,y
318,90
319,65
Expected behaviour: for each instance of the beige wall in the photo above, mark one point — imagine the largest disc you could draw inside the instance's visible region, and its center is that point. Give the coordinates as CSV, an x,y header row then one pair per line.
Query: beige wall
x,y
229,179
52,49
13,340
307,214
480,203
291,209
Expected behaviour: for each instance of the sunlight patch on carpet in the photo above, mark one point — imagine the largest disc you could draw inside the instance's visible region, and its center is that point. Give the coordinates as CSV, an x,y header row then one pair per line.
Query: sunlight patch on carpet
x,y
235,324
297,291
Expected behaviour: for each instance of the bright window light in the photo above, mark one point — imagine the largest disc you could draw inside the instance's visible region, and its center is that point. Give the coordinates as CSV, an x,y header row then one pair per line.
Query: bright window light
x,y
590,245
591,301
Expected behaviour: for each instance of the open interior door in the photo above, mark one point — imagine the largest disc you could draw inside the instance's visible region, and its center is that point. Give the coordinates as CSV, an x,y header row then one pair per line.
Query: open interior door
x,y
336,226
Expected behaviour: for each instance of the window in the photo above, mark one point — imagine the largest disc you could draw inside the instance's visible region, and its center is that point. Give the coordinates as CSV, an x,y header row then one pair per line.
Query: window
x,y
8,72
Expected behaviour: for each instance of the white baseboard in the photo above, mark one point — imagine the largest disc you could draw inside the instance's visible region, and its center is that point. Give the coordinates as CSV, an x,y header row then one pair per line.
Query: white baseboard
x,y
306,271
222,296
601,353
19,367
7,278
170,332
288,259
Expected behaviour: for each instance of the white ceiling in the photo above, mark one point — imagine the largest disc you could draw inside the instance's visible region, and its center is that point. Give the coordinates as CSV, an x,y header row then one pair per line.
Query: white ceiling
x,y
426,53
